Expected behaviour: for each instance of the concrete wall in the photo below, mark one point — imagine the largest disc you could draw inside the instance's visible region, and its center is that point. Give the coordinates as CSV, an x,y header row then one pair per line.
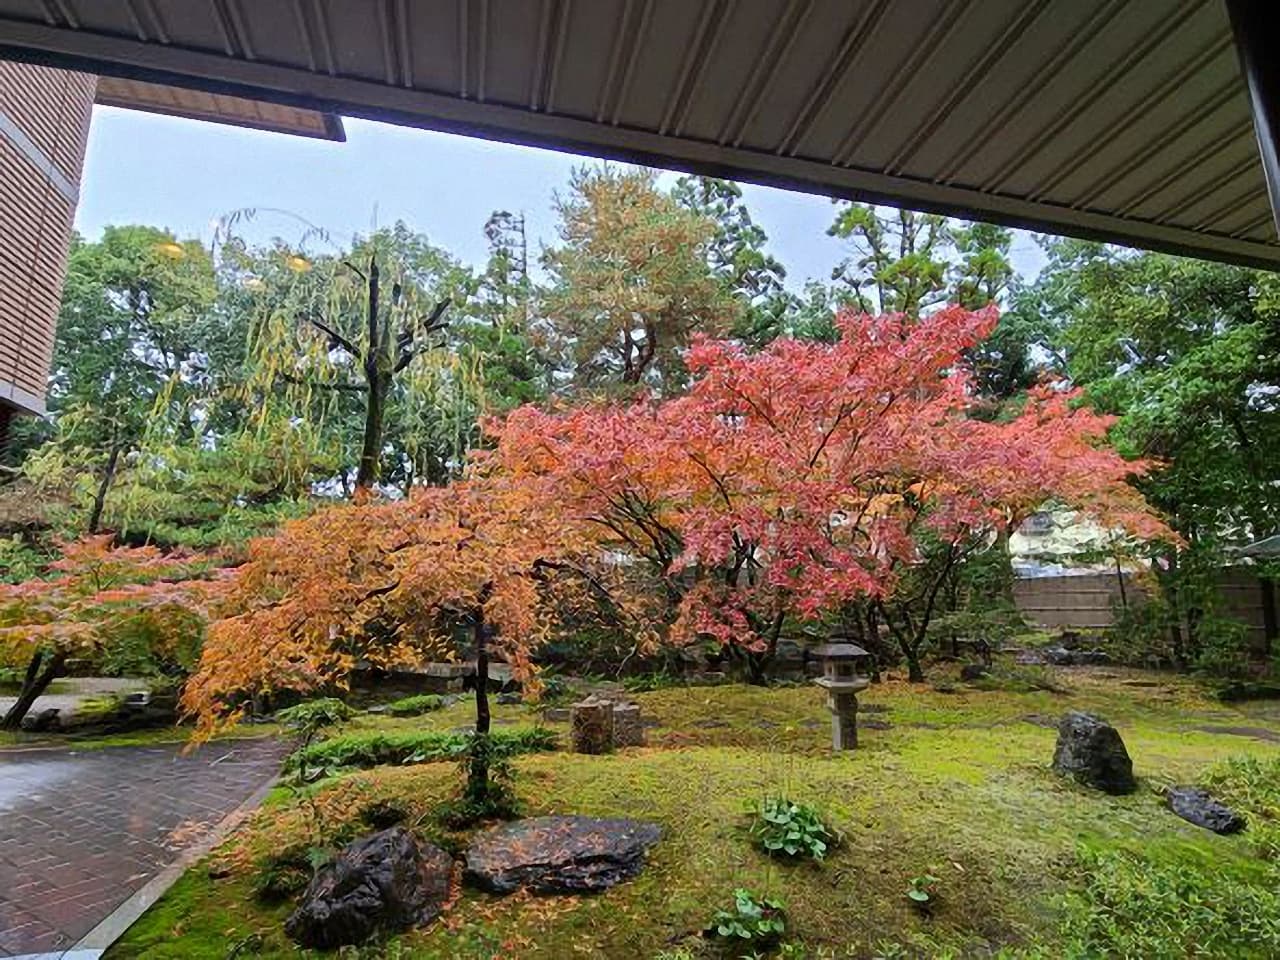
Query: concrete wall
x,y
44,123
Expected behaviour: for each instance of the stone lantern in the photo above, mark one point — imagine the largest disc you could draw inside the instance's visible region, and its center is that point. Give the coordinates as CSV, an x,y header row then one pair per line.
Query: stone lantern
x,y
842,678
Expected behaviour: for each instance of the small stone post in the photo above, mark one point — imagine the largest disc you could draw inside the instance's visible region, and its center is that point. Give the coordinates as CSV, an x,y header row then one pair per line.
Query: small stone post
x,y
592,726
844,721
628,730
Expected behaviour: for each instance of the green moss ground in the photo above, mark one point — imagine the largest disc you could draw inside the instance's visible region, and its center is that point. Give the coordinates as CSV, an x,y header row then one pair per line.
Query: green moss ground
x,y
958,786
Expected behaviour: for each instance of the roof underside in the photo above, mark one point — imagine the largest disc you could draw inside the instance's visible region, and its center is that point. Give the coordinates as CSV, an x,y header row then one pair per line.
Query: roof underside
x,y
1102,118
218,108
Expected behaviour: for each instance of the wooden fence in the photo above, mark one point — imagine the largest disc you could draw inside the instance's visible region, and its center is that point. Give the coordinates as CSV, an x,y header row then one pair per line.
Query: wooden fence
x,y
1090,601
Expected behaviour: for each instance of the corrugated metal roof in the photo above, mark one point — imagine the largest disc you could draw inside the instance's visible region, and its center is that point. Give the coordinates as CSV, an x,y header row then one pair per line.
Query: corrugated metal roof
x,y
218,108
1106,118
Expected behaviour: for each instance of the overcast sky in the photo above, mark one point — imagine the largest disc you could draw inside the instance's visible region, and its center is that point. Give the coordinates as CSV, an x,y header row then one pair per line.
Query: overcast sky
x,y
185,174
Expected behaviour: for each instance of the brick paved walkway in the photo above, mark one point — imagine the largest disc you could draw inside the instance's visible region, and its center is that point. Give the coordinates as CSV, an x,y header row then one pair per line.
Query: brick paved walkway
x,y
80,831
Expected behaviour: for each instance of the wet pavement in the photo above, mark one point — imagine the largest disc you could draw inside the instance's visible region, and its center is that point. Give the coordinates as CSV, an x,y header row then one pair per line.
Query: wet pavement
x,y
81,831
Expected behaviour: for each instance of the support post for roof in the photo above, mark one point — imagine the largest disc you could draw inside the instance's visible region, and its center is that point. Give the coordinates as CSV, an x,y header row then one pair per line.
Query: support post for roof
x,y
1251,23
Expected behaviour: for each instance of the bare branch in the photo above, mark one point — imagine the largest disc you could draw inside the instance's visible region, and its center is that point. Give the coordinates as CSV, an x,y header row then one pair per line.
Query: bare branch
x,y
336,340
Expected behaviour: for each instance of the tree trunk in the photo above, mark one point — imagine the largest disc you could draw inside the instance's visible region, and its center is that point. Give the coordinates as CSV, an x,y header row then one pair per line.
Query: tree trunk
x,y
377,383
371,448
915,672
100,500
35,683
478,775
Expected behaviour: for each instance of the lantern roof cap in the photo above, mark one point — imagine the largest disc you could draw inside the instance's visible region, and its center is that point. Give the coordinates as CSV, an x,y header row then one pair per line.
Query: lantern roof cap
x,y
841,650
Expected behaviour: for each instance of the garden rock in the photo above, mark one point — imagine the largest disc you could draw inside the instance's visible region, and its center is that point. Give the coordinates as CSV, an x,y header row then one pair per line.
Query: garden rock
x,y
1090,750
1062,657
560,854
973,671
43,721
1197,806
385,882
510,698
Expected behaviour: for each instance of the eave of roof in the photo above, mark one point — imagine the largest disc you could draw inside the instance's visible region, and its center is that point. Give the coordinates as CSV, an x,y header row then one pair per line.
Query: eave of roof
x,y
1099,118
196,104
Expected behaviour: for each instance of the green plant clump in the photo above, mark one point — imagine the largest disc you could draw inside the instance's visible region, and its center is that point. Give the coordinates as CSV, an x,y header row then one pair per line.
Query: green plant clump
x,y
753,923
1135,905
425,746
284,874
415,706
783,828
314,715
1252,786
923,889
489,783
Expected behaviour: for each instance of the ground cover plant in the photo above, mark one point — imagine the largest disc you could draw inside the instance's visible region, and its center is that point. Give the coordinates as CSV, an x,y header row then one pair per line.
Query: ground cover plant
x,y
954,786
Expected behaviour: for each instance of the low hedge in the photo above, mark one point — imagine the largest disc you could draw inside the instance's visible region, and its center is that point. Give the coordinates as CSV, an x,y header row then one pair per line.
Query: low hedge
x,y
376,749
416,705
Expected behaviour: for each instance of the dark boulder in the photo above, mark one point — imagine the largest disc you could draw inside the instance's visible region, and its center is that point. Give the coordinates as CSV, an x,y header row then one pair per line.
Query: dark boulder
x,y
559,854
43,721
973,671
1241,691
1063,657
1197,806
1090,750
383,883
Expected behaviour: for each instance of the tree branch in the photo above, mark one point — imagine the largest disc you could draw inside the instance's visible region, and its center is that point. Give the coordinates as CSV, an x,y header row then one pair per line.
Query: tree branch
x,y
335,338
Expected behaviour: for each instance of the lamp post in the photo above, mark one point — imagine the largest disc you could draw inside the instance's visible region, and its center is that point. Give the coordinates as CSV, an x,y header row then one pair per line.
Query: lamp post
x,y
842,678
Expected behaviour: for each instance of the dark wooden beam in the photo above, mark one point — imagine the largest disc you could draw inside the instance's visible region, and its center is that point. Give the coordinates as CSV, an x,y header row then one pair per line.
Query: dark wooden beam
x,y
1252,23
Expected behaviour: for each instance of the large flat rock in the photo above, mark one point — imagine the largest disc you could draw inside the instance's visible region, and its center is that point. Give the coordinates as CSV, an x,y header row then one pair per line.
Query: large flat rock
x,y
560,854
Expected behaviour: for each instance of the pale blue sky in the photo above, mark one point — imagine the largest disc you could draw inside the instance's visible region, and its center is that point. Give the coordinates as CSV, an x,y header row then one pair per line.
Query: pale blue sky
x,y
185,174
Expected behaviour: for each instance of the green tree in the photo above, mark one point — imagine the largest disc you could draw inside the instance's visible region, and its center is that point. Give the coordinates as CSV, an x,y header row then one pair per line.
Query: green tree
x,y
134,341
912,263
1187,354
898,262
631,281
347,327
737,257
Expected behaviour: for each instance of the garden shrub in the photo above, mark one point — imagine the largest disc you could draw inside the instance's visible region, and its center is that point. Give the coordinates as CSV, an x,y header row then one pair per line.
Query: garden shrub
x,y
425,746
312,715
648,682
1172,904
1252,786
488,778
782,828
1021,678
751,924
416,705
152,642
284,873
383,814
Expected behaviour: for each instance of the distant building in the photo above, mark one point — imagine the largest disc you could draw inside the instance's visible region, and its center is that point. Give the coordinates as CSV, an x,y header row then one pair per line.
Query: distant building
x,y
44,125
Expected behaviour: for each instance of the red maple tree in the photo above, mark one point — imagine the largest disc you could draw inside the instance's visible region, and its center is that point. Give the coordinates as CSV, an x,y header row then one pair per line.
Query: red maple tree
x,y
794,480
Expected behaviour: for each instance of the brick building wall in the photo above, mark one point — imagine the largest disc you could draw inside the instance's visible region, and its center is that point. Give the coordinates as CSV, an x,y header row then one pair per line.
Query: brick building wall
x,y
44,123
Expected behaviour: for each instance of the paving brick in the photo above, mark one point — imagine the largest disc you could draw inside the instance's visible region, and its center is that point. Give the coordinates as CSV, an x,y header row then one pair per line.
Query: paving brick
x,y
84,830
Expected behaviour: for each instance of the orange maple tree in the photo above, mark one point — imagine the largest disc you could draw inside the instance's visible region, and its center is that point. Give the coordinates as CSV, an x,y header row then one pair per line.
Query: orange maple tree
x,y
91,590
395,584
793,480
